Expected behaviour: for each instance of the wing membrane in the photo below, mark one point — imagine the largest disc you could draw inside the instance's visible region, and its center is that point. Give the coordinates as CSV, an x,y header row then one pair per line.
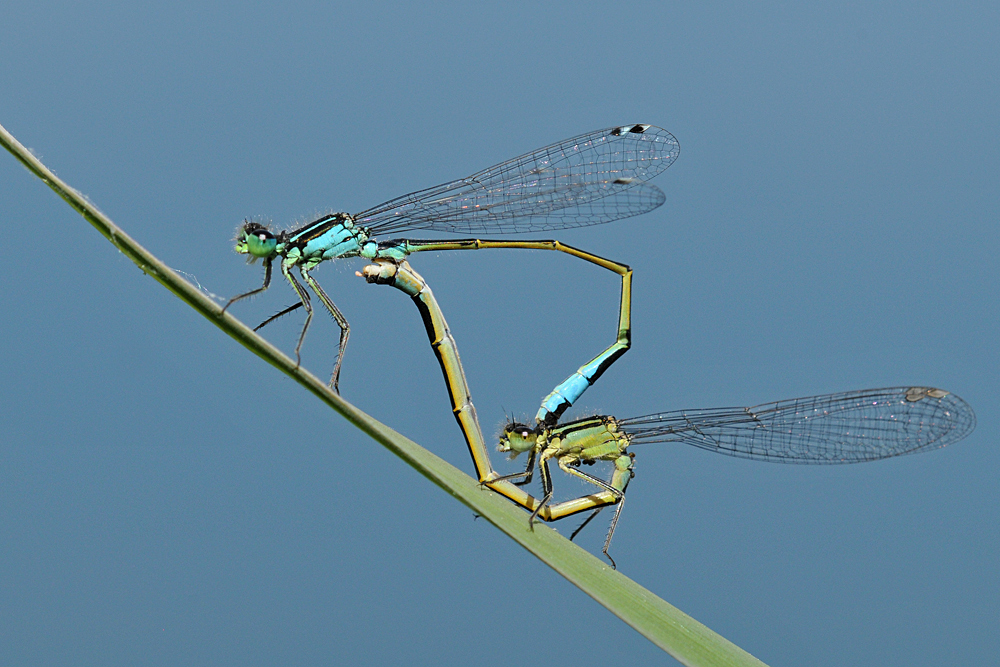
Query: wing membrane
x,y
835,428
586,180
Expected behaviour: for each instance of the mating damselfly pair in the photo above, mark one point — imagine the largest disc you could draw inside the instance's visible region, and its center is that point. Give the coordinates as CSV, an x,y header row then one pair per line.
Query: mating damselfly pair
x,y
590,179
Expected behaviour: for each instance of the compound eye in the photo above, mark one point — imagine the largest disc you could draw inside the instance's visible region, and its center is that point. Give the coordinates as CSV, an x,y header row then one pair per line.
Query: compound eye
x,y
261,243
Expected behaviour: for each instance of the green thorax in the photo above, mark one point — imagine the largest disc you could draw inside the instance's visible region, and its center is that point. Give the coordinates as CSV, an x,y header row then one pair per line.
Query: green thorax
x,y
590,439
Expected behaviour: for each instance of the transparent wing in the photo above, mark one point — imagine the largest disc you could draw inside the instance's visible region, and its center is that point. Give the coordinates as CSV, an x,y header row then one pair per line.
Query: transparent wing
x,y
836,428
586,180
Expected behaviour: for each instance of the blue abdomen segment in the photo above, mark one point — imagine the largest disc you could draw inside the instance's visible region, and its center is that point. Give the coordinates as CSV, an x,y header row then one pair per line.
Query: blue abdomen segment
x,y
562,397
396,250
567,392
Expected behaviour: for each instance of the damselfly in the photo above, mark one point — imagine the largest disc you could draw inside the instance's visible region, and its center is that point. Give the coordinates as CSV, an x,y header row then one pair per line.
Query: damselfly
x,y
589,179
849,427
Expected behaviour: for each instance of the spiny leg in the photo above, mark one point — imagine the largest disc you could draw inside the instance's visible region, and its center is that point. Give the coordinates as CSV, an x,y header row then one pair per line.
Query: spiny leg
x,y
619,480
543,471
286,269
584,524
267,283
611,530
277,315
345,328
528,473
596,481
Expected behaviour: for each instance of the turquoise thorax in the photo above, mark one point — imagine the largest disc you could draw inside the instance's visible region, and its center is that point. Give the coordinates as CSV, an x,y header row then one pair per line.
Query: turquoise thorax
x,y
333,236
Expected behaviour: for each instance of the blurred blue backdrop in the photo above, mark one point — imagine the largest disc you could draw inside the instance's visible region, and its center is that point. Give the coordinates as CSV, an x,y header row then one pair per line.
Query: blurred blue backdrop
x,y
831,224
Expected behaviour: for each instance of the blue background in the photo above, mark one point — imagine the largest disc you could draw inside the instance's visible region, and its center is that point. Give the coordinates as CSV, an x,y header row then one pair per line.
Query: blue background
x,y
166,498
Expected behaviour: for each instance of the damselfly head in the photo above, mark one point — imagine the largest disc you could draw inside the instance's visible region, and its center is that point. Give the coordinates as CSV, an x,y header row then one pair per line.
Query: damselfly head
x,y
517,438
256,240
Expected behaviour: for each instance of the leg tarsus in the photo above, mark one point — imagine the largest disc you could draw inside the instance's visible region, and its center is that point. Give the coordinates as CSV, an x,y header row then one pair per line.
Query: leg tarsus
x,y
584,524
529,471
267,283
611,531
276,316
543,471
345,328
618,493
534,515
286,269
